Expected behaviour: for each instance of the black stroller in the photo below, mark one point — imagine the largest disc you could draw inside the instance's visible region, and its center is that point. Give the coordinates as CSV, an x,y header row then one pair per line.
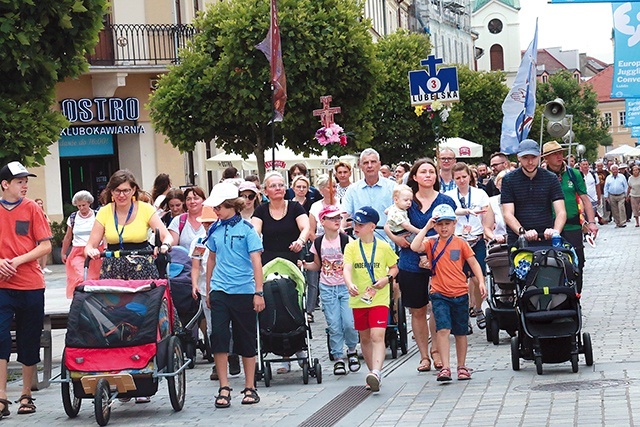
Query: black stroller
x,y
283,329
501,294
395,336
550,318
193,334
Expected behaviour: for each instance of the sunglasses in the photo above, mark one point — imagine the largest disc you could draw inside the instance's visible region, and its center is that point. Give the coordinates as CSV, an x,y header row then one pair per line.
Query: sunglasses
x,y
332,218
249,196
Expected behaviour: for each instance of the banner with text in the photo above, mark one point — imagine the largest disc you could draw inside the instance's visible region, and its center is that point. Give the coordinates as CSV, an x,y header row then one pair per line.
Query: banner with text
x,y
632,115
626,70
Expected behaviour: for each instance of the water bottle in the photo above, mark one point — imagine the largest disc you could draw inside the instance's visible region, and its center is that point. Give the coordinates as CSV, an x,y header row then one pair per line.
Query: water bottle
x,y
522,241
556,240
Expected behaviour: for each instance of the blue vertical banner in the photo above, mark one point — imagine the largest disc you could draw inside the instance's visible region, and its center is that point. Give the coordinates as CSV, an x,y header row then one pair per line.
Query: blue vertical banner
x,y
519,106
626,70
635,132
632,116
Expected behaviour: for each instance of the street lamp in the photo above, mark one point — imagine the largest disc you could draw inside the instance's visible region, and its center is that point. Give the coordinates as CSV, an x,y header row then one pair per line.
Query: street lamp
x,y
580,150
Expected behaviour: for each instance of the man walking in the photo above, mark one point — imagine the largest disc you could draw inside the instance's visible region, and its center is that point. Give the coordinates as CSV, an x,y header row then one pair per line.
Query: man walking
x,y
498,163
530,196
445,163
615,191
604,212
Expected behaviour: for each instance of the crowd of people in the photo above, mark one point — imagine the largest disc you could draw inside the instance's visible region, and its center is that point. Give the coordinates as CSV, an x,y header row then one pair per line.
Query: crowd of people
x,y
421,228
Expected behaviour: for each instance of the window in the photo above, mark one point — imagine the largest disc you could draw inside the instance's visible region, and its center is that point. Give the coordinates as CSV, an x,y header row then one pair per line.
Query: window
x,y
545,78
496,57
495,26
607,119
622,118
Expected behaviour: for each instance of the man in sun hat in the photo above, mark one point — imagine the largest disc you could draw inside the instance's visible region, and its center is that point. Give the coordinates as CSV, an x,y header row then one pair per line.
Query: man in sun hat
x,y
574,189
25,237
530,196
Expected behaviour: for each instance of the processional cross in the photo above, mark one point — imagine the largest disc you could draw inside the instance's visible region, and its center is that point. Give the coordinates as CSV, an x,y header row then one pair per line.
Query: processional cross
x,y
326,113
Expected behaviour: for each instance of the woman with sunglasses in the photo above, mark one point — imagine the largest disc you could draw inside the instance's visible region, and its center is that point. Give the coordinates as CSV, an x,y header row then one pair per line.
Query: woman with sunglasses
x,y
251,196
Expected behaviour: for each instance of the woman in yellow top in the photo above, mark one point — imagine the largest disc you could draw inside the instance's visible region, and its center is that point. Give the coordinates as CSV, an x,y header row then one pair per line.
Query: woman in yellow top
x,y
124,224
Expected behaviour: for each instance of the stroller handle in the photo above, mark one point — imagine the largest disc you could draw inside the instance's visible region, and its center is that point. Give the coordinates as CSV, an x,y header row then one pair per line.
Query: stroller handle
x,y
119,253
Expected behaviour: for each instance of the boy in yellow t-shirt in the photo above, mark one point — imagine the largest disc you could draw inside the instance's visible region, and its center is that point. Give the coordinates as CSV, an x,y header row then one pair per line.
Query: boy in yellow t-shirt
x,y
449,292
369,266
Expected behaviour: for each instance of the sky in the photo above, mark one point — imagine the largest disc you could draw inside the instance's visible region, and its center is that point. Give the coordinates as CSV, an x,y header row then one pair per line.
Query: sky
x,y
586,27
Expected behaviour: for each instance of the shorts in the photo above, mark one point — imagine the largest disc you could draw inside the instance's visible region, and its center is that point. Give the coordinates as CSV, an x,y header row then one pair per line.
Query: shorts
x,y
451,313
370,317
237,311
414,288
28,309
480,251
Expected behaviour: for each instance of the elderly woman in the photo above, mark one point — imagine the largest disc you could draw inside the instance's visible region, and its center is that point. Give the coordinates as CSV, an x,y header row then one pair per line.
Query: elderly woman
x,y
79,226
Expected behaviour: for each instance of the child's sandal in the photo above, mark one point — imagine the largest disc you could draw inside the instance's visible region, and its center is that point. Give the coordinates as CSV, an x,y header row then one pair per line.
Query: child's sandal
x,y
354,362
463,373
444,375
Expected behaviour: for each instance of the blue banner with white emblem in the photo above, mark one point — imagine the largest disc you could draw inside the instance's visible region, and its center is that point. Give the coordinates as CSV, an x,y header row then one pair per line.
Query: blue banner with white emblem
x,y
632,116
626,70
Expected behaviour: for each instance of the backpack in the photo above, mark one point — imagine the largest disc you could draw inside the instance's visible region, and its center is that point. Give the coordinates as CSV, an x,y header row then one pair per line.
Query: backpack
x,y
344,239
182,222
282,322
72,217
551,268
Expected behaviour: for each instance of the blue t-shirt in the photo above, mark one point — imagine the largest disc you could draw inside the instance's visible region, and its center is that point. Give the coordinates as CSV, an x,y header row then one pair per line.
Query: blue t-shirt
x,y
232,244
409,259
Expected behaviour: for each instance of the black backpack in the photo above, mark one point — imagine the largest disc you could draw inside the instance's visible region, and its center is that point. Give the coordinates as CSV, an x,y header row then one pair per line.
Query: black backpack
x,y
282,323
552,276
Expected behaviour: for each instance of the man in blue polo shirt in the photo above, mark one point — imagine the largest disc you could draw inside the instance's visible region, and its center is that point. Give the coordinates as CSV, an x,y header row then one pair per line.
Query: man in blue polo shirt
x,y
374,190
530,195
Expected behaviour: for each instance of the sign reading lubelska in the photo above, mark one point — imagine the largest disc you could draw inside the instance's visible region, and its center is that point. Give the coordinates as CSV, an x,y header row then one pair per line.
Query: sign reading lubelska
x,y
109,112
626,70
428,86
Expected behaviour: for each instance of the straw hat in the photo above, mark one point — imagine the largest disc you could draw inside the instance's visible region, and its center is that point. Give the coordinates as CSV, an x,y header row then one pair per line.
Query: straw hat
x,y
551,147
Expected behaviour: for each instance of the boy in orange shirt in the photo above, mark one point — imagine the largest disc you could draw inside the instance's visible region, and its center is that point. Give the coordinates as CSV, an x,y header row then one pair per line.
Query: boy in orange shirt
x,y
449,292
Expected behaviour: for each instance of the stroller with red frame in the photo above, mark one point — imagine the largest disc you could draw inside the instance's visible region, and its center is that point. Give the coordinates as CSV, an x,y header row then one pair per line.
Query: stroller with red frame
x,y
126,346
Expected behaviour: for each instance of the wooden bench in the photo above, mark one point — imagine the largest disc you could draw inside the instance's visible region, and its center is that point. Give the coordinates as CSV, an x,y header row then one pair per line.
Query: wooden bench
x,y
52,321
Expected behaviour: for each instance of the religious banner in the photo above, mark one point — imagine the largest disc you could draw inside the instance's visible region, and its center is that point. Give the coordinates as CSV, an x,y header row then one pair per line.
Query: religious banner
x,y
330,132
632,115
435,84
626,64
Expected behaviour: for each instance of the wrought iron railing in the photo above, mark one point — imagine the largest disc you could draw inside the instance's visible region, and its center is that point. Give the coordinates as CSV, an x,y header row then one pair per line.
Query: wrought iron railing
x,y
141,44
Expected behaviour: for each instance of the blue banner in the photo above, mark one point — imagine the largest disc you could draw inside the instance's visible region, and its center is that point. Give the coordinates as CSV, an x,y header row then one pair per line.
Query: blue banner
x,y
519,106
626,70
85,145
635,132
632,116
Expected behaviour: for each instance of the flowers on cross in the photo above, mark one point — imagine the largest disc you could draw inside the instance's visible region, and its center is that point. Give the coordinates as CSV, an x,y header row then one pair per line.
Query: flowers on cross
x,y
432,108
331,134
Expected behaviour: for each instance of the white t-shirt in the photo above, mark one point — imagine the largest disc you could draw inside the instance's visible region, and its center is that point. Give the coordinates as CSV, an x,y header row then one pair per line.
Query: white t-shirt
x,y
331,260
189,234
81,229
591,183
202,279
501,227
469,225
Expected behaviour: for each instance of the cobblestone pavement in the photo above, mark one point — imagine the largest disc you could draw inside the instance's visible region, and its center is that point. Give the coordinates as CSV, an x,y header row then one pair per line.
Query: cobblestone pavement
x,y
607,393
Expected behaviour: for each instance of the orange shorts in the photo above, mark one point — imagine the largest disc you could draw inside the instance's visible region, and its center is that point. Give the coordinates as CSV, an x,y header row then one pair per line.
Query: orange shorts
x,y
370,317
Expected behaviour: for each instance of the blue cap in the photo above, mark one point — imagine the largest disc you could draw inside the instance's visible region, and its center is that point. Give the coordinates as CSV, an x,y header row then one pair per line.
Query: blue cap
x,y
366,214
442,212
528,147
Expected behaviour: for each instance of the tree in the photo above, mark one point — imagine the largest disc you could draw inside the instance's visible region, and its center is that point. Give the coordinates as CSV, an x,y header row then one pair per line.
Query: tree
x,y
580,101
220,90
41,43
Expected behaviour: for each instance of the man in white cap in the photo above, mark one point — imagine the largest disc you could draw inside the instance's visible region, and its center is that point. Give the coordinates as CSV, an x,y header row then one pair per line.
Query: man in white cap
x,y
530,196
25,237
573,185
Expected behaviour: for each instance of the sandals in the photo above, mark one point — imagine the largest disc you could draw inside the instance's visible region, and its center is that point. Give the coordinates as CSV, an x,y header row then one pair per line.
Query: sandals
x,y
354,362
463,373
437,361
25,408
425,365
339,368
5,411
481,321
472,312
444,375
250,396
223,401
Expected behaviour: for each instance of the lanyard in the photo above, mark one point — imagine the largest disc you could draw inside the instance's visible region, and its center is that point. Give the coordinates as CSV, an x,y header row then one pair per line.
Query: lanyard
x,y
462,202
445,186
369,265
115,221
433,251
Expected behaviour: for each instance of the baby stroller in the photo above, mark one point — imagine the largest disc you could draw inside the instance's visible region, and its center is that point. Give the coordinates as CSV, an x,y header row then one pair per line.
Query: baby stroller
x,y
501,294
283,329
395,336
193,334
126,346
548,307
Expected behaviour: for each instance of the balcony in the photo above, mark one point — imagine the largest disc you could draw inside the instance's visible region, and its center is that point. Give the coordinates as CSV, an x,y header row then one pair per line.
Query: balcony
x,y
140,44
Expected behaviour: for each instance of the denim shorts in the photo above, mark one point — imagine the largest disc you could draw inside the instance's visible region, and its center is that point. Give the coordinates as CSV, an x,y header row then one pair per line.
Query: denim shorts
x,y
480,252
28,309
451,313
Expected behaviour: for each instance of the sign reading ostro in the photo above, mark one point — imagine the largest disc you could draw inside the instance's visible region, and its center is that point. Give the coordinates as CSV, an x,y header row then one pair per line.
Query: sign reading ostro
x,y
104,110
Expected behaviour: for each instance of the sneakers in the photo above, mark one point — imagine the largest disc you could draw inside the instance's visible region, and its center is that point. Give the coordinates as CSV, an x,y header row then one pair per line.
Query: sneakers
x,y
46,271
234,364
373,381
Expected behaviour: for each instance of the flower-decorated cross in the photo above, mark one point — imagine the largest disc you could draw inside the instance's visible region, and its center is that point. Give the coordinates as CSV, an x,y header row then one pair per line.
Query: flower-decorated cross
x,y
330,132
326,113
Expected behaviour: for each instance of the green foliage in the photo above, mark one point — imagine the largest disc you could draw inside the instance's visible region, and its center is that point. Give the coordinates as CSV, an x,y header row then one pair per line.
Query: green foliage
x,y
221,89
58,230
41,43
580,101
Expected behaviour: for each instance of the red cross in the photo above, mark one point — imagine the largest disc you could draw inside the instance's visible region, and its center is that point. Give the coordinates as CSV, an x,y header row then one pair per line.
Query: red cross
x,y
327,112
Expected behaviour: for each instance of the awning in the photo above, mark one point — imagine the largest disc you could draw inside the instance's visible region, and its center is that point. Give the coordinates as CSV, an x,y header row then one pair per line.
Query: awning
x,y
619,151
462,147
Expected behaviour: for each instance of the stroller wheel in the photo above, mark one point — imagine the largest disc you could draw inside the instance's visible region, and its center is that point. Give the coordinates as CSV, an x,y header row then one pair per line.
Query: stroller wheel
x,y
267,374
538,361
393,344
495,331
305,371
588,349
515,354
574,362
178,382
70,402
190,349
317,370
489,329
102,404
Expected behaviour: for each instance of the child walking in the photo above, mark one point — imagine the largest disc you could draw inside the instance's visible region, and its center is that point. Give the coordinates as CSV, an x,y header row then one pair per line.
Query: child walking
x,y
234,289
329,260
449,291
369,266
